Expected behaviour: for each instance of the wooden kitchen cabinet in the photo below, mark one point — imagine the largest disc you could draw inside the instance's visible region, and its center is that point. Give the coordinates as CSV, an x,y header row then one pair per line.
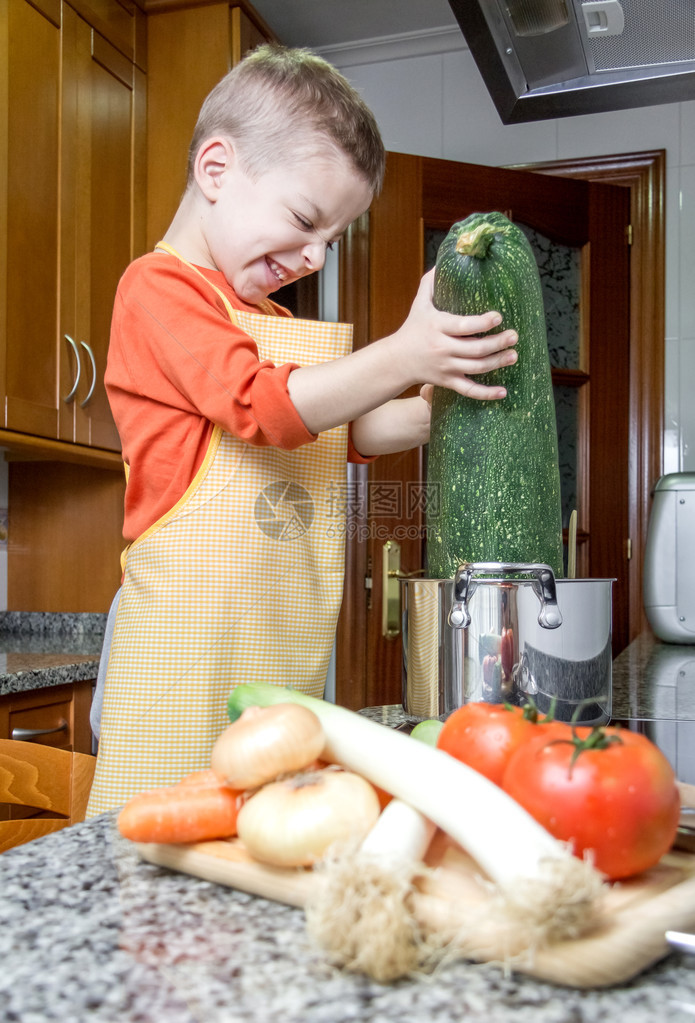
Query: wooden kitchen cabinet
x,y
102,215
72,209
55,716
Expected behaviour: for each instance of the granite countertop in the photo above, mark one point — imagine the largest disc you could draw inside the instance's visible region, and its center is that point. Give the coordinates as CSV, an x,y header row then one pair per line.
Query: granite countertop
x,y
651,681
653,692
90,932
43,649
654,681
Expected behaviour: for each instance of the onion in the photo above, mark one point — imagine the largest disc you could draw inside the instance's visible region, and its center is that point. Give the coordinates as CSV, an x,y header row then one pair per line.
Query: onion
x,y
265,743
291,823
541,892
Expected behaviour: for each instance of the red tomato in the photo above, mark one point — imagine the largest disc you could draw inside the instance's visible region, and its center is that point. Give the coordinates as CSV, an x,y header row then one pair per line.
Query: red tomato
x,y
484,736
619,799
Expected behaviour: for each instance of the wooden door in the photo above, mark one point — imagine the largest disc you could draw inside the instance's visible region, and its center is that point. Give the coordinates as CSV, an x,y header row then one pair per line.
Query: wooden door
x,y
384,258
30,60
98,145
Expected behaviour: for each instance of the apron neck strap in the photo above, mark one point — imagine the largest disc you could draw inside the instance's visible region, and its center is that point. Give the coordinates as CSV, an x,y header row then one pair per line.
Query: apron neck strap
x,y
265,307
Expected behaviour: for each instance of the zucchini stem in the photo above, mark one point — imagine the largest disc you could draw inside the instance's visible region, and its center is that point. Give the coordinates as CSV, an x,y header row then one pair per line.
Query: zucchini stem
x,y
477,242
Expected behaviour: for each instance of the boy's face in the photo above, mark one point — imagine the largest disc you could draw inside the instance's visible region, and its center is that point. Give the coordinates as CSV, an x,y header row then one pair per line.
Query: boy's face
x,y
266,233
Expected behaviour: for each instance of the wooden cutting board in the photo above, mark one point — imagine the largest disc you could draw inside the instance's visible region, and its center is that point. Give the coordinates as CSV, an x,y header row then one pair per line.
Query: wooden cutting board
x,y
628,937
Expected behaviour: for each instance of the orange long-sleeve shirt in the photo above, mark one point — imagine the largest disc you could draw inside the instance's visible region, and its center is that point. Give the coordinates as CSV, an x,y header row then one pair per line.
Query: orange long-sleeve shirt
x,y
176,367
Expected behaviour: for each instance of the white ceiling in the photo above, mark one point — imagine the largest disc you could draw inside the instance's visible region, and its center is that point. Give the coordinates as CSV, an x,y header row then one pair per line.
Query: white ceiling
x,y
321,23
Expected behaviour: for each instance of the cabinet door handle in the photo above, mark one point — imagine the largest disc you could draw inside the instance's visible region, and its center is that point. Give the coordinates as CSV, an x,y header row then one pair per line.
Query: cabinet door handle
x,y
71,396
90,353
33,733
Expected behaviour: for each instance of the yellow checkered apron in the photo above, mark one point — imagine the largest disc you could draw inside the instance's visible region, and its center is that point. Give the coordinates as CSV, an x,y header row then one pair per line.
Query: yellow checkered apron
x,y
240,582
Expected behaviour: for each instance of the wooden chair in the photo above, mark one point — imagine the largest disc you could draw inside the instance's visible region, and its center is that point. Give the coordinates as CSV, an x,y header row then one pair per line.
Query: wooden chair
x,y
50,785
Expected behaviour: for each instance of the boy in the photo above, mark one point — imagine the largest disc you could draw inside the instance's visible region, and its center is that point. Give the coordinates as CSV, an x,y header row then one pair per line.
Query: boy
x,y
233,416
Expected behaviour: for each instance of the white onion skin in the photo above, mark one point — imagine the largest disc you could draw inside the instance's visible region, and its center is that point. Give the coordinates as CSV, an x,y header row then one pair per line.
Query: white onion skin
x,y
265,743
291,823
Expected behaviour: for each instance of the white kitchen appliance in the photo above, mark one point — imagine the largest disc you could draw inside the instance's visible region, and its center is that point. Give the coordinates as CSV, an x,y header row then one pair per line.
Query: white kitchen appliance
x,y
669,560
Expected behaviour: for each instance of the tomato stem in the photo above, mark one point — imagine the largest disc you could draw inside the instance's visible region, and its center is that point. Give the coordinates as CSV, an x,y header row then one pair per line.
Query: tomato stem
x,y
596,739
532,713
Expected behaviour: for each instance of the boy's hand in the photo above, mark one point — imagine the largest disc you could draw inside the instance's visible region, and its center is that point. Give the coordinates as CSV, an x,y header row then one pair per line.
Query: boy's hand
x,y
443,349
446,349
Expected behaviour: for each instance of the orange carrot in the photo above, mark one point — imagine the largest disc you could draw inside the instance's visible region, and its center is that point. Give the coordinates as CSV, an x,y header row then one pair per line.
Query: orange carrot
x,y
182,813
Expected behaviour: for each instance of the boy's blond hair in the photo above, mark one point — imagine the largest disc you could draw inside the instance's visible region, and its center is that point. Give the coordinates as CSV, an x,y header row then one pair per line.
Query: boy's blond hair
x,y
275,103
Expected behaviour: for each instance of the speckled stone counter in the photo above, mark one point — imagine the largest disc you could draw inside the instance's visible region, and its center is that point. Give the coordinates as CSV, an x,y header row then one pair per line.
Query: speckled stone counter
x,y
654,681
88,932
651,681
38,649
653,692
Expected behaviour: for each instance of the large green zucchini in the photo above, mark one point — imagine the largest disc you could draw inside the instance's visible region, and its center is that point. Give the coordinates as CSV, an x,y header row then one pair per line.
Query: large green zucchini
x,y
494,464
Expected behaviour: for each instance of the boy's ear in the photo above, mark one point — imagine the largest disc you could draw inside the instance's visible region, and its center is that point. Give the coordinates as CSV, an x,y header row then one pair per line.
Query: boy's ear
x,y
215,157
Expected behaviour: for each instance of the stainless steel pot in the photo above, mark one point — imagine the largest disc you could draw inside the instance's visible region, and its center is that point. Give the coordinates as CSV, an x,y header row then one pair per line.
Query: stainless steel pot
x,y
506,632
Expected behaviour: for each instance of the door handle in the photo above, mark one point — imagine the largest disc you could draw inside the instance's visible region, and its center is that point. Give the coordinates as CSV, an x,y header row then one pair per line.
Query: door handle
x,y
90,353
73,391
390,589
24,734
391,576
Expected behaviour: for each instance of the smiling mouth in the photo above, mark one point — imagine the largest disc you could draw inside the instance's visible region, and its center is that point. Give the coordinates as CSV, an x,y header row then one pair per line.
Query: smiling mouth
x,y
281,272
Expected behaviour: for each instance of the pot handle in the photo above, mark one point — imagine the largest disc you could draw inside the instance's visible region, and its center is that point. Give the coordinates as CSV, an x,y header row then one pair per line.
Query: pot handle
x,y
549,616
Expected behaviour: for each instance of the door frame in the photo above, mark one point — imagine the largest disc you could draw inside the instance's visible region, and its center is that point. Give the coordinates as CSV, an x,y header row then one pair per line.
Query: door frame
x,y
644,174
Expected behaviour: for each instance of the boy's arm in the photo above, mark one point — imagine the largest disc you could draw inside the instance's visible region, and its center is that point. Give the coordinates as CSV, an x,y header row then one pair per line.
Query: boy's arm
x,y
432,346
398,425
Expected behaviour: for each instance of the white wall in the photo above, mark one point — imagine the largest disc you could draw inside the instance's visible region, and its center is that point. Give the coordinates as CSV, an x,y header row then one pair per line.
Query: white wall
x,y
430,100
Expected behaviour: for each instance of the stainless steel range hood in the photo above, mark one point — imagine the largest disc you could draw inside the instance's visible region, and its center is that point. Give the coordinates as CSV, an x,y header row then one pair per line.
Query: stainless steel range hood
x,y
555,58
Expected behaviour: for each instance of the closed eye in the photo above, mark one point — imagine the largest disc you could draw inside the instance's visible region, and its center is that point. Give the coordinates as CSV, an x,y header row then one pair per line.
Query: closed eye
x,y
306,225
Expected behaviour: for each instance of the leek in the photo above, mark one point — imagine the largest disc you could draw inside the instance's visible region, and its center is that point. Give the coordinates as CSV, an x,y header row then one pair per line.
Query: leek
x,y
545,893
